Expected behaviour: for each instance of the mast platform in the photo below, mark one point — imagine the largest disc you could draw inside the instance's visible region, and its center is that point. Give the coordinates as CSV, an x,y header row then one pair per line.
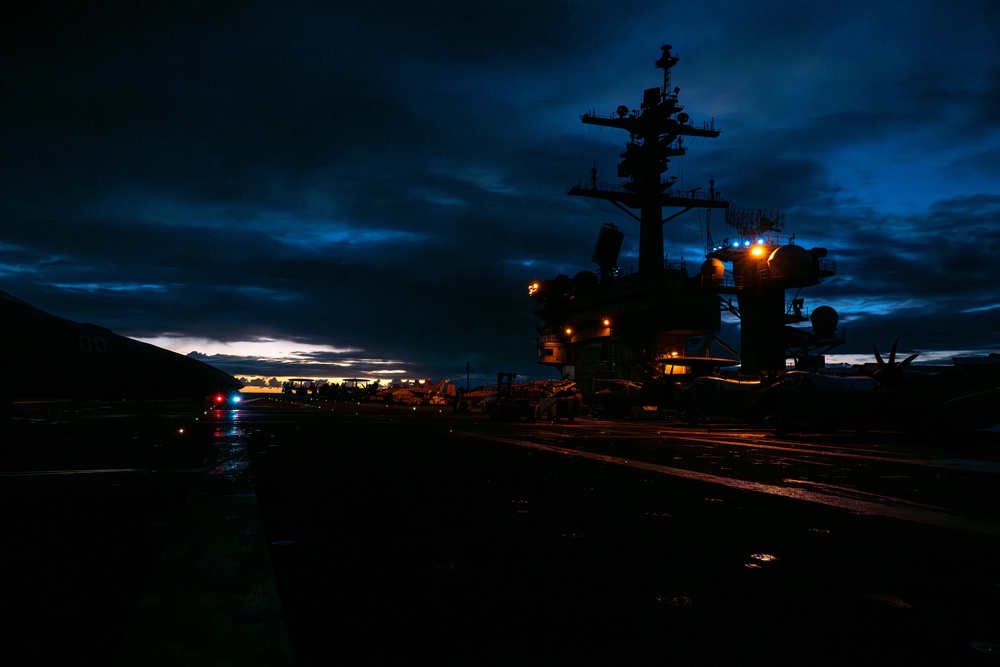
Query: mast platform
x,y
669,198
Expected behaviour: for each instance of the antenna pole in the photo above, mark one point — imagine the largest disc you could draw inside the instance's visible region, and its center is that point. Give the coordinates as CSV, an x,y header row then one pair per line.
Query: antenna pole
x,y
708,215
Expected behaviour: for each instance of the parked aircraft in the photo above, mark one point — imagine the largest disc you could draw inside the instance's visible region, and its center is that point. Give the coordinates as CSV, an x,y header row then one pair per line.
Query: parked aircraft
x,y
963,396
46,358
419,393
887,394
715,397
804,400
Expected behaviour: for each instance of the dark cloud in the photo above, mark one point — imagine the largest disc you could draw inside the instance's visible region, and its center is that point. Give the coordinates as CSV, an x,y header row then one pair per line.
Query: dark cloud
x,y
388,177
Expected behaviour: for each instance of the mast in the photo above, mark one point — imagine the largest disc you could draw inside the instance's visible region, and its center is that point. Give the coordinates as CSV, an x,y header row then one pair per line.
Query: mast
x,y
656,130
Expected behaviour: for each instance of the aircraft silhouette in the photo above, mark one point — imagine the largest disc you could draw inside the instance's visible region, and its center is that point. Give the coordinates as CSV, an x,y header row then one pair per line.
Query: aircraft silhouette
x,y
45,358
966,396
809,401
887,394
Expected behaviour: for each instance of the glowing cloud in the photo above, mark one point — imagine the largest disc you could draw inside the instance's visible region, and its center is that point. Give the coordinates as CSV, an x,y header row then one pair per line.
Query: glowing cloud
x,y
285,350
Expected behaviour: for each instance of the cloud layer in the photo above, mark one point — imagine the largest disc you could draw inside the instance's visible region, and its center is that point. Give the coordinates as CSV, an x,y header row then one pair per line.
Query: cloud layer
x,y
380,183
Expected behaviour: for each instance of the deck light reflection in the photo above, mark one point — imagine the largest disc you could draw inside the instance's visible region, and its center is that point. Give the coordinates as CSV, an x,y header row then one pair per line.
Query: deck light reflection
x,y
765,558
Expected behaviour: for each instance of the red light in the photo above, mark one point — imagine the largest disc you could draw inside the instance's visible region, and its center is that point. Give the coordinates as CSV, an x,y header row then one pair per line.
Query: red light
x,y
219,398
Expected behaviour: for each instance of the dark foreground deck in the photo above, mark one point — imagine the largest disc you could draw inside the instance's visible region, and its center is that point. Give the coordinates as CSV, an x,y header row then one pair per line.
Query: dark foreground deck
x,y
328,536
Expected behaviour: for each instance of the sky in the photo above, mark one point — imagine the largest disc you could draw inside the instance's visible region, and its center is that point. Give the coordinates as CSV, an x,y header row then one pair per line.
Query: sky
x,y
331,189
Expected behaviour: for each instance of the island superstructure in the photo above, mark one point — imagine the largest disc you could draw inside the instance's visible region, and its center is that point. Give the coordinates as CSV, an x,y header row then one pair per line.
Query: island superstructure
x,y
658,319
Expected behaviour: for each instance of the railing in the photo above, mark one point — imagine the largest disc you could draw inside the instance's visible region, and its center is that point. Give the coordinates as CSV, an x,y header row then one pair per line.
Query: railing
x,y
694,195
768,239
599,187
728,280
676,264
800,310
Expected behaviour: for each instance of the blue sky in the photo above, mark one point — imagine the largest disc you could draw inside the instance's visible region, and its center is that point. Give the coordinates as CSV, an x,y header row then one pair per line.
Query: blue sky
x,y
332,190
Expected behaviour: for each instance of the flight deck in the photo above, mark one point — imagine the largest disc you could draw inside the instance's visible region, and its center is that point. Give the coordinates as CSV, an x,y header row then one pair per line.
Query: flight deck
x,y
372,534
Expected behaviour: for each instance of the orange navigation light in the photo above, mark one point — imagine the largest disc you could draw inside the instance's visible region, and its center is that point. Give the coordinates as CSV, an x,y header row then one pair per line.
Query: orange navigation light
x,y
607,322
532,288
757,251
569,331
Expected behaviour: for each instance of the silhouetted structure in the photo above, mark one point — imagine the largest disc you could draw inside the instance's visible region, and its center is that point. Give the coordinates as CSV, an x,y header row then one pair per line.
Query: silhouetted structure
x,y
659,320
49,358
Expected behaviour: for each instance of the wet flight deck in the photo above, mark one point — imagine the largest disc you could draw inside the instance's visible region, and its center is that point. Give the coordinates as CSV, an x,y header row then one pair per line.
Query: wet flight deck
x,y
332,533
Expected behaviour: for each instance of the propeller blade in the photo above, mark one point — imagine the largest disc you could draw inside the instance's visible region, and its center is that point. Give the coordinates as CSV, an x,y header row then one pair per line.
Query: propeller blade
x,y
906,362
892,352
878,357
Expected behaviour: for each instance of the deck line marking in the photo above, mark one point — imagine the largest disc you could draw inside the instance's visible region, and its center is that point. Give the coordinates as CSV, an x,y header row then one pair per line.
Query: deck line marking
x,y
903,510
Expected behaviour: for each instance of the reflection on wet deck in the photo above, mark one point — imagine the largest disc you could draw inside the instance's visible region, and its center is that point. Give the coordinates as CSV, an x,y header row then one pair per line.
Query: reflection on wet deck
x,y
478,542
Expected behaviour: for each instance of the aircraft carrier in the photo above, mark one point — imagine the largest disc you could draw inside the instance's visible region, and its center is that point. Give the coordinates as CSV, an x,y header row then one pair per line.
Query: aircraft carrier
x,y
164,530
644,340
191,528
658,319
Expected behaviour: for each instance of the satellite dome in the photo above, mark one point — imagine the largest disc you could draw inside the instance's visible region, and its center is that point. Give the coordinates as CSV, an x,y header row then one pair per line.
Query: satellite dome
x,y
824,320
791,262
713,269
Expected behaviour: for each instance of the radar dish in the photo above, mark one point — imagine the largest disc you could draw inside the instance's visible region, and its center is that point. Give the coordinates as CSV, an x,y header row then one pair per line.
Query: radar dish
x,y
683,118
622,111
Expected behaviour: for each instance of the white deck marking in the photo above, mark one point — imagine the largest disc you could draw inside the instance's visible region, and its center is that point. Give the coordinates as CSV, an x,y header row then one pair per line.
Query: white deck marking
x,y
898,509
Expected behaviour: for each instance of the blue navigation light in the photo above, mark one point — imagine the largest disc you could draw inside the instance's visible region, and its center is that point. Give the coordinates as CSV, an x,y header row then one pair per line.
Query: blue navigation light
x,y
236,398
760,241
747,242
736,244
